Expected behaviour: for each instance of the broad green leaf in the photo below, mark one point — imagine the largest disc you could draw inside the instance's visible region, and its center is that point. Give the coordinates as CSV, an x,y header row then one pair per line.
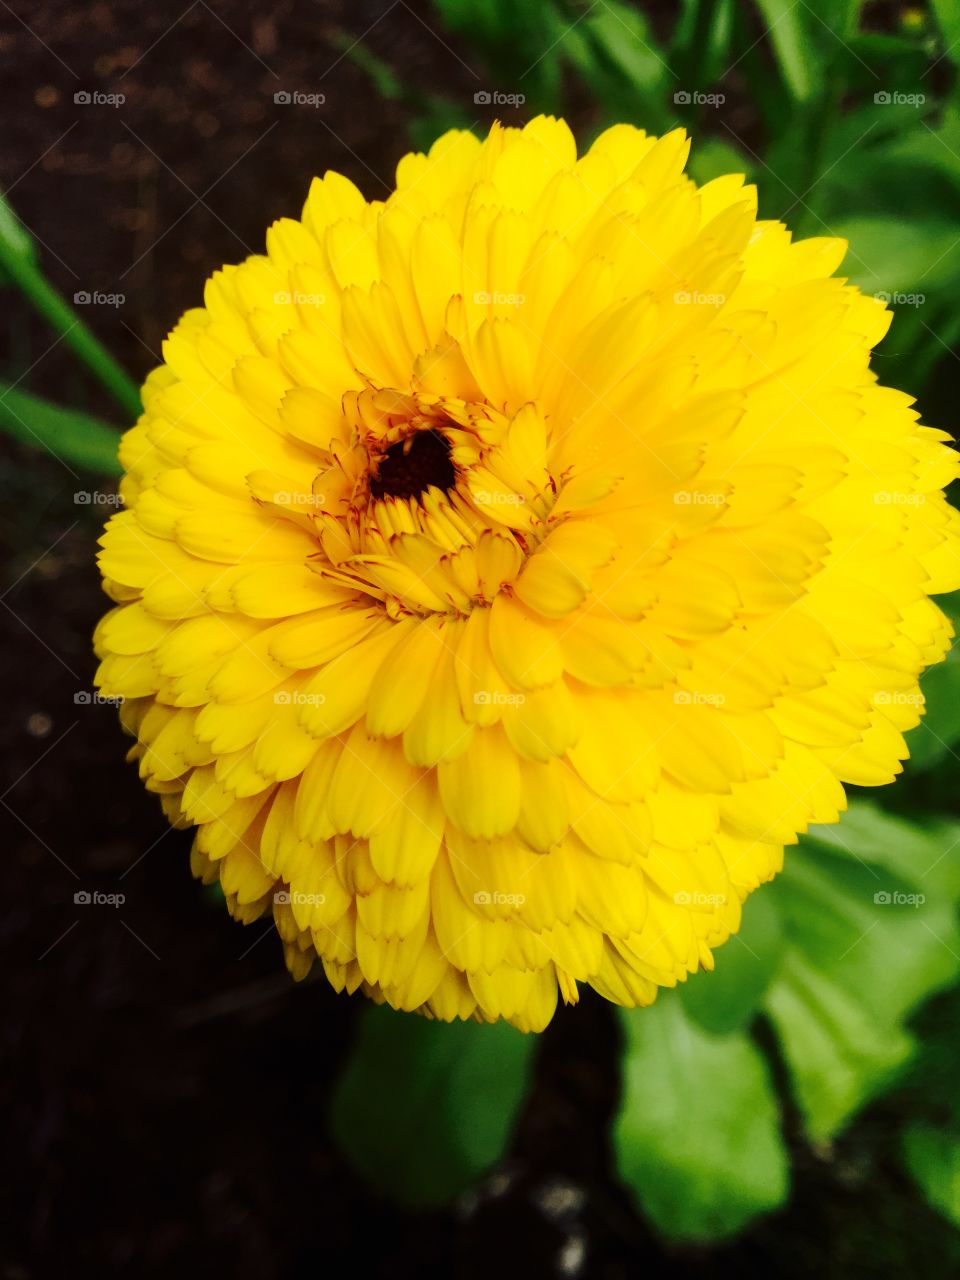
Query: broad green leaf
x,y
933,1157
423,1108
625,39
727,999
947,14
521,45
841,16
938,733
75,437
435,117
713,157
697,1135
868,911
796,51
838,1055
891,255
926,856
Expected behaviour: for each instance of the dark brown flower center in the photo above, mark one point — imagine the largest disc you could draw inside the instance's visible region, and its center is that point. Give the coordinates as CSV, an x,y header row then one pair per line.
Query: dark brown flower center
x,y
413,465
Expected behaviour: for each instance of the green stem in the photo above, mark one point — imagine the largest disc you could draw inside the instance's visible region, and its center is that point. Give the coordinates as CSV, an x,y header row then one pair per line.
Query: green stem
x,y
64,319
68,434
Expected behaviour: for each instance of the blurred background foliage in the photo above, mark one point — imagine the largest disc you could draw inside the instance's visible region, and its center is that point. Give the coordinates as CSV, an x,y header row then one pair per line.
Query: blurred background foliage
x,y
842,991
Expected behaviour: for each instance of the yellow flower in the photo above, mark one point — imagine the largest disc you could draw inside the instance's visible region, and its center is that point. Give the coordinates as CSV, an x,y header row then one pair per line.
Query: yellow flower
x,y
510,568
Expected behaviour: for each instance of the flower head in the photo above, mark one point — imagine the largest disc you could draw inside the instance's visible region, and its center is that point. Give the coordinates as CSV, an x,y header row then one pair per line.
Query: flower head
x,y
512,567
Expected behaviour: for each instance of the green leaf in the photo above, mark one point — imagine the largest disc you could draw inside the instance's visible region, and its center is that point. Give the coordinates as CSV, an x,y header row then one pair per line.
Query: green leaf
x,y
700,49
713,157
16,241
917,854
938,733
947,14
625,39
697,1135
18,262
894,256
424,1108
66,433
933,1157
838,1055
727,999
868,911
793,47
385,82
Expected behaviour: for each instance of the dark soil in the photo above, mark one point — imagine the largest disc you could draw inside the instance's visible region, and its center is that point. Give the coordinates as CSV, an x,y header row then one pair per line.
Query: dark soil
x,y
164,1083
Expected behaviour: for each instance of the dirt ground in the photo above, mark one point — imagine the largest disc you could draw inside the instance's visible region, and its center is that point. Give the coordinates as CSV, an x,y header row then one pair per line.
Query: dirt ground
x,y
164,1083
